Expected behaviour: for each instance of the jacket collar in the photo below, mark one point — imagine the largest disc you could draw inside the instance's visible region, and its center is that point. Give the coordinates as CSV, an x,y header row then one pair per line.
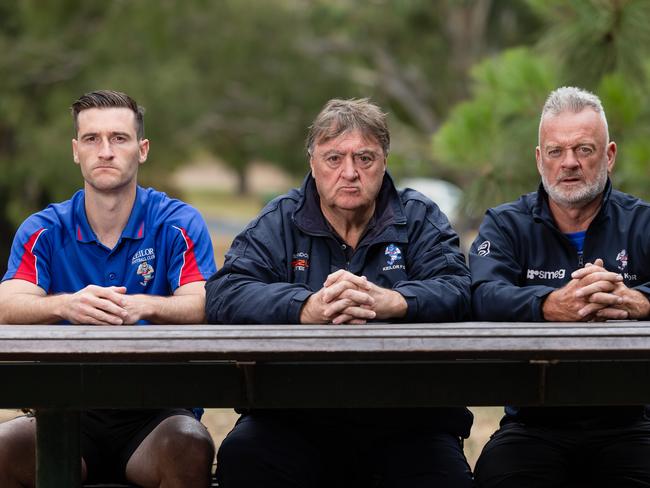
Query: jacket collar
x,y
388,221
134,227
542,210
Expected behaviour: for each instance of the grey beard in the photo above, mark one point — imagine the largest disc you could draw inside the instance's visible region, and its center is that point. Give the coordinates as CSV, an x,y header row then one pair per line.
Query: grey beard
x,y
577,198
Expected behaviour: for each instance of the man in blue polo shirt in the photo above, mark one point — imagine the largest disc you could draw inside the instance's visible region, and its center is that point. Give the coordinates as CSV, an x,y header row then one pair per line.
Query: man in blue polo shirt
x,y
114,254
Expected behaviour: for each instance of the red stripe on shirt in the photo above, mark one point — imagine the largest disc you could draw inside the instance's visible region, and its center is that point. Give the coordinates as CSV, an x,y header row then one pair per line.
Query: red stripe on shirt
x,y
190,270
27,269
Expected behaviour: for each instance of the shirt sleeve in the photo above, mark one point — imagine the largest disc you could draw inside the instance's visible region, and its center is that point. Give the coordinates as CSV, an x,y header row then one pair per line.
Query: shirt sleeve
x,y
30,257
498,293
192,256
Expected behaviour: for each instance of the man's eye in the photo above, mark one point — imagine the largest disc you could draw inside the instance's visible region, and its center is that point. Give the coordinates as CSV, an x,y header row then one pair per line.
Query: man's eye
x,y
554,153
364,159
119,139
584,150
333,159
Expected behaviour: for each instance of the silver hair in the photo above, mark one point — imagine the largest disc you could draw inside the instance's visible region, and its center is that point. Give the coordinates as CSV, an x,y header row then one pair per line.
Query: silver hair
x,y
572,99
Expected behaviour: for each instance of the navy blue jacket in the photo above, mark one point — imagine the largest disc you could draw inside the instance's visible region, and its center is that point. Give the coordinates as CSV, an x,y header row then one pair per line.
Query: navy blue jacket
x,y
520,256
287,252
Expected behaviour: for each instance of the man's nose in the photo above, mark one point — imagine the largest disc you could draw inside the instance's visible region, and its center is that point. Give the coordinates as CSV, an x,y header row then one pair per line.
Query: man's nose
x,y
570,159
349,171
105,149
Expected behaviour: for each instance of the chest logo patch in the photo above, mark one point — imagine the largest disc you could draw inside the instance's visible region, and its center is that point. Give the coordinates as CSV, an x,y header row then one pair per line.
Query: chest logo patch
x,y
393,258
621,260
394,254
145,271
300,261
483,249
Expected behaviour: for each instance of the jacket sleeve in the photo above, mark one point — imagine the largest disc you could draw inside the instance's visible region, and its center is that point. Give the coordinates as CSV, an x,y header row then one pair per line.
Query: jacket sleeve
x,y
498,291
438,283
252,286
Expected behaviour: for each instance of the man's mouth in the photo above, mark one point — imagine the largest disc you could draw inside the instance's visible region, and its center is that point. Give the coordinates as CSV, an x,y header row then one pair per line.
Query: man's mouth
x,y
570,179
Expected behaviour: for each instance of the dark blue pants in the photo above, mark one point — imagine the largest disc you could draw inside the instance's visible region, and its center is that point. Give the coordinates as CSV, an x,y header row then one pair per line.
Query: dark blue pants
x,y
520,455
269,451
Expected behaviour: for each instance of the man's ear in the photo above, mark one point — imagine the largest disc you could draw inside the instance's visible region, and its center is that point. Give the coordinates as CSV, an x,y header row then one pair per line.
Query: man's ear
x,y
143,148
538,158
75,154
611,156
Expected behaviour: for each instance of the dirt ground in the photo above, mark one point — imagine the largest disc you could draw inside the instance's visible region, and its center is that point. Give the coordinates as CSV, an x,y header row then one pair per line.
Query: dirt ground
x,y
220,421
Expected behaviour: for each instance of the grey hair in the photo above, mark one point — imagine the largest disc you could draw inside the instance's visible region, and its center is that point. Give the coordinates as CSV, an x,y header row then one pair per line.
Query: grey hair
x,y
340,116
572,99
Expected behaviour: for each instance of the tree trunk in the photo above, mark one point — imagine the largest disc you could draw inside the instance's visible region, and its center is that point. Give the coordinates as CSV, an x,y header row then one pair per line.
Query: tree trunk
x,y
242,183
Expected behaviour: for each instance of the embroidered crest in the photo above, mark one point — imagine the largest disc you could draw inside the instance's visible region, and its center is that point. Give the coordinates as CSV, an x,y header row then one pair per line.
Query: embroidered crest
x,y
145,270
394,254
621,259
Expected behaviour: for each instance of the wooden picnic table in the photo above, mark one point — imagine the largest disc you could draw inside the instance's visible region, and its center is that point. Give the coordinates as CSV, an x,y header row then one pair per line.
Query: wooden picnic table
x,y
60,370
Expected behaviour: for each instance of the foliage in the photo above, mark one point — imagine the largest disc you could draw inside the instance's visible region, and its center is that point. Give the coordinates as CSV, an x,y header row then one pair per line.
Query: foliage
x,y
490,136
601,45
239,78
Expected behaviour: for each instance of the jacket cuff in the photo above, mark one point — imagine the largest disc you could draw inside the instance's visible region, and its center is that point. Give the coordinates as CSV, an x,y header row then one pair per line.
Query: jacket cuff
x,y
411,304
295,305
538,301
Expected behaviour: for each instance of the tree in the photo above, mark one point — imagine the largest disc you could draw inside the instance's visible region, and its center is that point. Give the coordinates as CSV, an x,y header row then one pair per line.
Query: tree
x,y
240,78
600,45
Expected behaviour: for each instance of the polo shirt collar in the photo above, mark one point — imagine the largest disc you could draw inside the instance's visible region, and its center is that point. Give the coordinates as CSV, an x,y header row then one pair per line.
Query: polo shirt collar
x,y
134,227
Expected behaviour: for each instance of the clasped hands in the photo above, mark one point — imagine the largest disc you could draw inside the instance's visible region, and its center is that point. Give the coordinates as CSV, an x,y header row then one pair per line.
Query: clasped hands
x,y
346,298
595,294
98,305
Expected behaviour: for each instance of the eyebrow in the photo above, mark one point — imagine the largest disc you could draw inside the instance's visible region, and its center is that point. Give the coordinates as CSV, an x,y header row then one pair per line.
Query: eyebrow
x,y
555,145
111,134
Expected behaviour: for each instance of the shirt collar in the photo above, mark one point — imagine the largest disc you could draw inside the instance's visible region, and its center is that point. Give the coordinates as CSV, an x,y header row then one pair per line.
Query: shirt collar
x,y
134,227
388,209
542,209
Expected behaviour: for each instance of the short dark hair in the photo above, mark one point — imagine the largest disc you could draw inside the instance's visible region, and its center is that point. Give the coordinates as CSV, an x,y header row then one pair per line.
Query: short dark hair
x,y
340,116
108,99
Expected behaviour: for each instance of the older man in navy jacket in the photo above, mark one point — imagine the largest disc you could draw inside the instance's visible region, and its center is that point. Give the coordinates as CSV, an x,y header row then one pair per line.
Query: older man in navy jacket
x,y
346,248
576,250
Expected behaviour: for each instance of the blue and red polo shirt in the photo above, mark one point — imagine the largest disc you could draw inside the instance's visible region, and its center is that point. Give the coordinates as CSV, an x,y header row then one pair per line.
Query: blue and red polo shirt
x,y
164,245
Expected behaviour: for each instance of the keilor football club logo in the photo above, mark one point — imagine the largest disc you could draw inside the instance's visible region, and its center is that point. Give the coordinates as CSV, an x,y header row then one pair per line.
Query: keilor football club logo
x,y
394,254
145,271
621,259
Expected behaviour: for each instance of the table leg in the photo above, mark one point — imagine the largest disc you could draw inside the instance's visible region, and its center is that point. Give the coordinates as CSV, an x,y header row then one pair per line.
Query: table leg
x,y
58,448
